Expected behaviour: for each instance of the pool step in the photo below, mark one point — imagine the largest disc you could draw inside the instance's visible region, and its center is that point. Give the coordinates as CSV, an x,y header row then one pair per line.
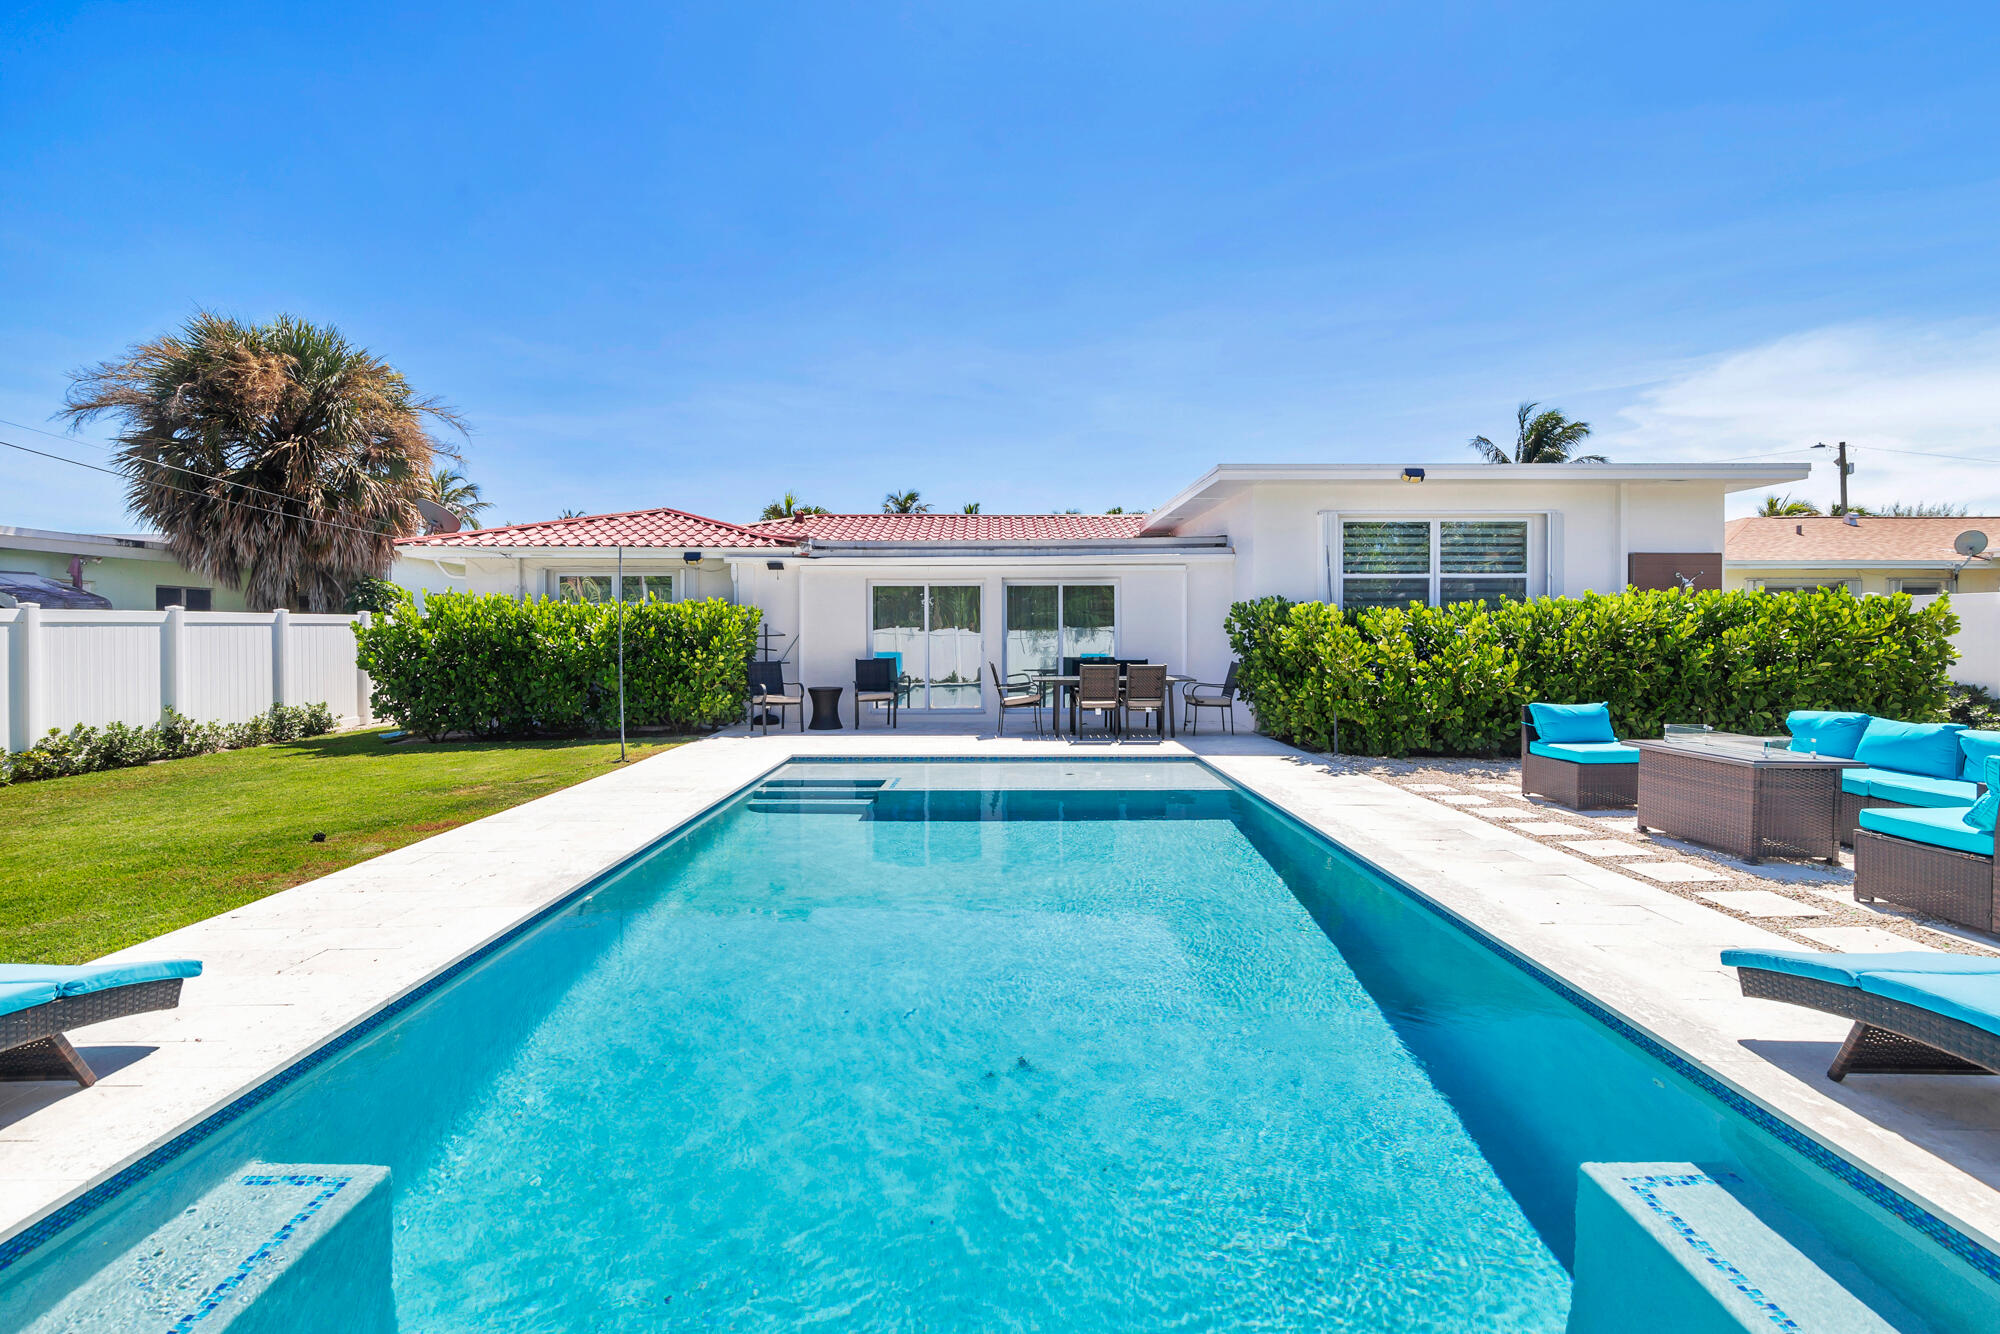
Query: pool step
x,y
297,1248
816,796
786,805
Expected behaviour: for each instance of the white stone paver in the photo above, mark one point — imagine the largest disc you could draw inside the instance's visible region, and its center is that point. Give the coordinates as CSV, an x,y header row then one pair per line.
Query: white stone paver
x,y
1553,827
1516,813
1677,872
287,972
1466,800
1858,939
1761,903
1607,847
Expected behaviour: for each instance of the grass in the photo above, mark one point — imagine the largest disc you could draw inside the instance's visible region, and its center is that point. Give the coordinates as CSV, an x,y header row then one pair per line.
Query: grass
x,y
100,861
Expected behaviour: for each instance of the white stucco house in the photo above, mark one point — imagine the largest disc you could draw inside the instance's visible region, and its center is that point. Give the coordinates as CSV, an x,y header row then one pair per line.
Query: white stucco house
x,y
951,593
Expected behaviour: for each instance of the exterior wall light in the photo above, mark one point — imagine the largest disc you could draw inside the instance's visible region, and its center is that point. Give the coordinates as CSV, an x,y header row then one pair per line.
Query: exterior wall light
x,y
691,557
774,565
1413,474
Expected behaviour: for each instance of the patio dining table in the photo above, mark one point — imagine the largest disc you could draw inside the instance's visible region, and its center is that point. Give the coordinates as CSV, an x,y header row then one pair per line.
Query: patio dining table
x,y
1070,681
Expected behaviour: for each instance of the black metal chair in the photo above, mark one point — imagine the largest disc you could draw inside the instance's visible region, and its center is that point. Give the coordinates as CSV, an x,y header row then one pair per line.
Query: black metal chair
x,y
1025,694
1224,699
768,691
875,683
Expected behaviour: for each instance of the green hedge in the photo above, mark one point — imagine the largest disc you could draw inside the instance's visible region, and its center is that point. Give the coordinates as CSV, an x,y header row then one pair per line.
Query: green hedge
x,y
1452,680
493,666
87,750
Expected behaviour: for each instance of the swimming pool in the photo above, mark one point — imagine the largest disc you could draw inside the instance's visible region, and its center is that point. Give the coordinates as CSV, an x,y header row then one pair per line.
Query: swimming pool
x,y
1004,1046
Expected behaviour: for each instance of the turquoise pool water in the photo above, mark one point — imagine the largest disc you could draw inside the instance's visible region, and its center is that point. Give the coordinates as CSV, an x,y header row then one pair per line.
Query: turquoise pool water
x,y
1063,1045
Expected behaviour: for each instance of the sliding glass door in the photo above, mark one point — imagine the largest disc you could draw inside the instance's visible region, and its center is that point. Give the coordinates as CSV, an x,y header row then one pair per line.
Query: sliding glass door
x,y
1049,622
933,632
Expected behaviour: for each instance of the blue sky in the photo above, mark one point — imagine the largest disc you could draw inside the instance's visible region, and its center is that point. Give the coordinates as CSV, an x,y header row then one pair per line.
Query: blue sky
x,y
1035,256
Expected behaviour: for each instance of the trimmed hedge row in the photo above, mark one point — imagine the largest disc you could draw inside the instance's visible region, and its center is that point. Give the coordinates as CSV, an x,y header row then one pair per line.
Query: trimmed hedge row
x,y
491,666
86,750
1452,680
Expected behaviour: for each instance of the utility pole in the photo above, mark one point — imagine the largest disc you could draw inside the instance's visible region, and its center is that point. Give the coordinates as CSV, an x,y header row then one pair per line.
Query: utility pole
x,y
1841,462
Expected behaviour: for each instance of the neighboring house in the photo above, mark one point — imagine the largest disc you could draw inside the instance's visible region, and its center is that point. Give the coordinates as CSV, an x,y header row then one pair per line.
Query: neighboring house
x,y
134,573
949,594
1860,553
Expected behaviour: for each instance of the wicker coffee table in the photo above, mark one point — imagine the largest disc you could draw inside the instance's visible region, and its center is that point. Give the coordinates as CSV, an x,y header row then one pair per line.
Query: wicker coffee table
x,y
1727,792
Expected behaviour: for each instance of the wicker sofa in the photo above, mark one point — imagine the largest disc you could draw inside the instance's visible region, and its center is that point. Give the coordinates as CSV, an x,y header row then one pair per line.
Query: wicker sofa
x,y
1937,860
1592,775
1922,765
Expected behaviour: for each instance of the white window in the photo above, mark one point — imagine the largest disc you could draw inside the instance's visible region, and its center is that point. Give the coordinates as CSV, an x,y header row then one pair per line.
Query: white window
x,y
1808,585
1047,623
603,587
1392,562
1917,587
933,633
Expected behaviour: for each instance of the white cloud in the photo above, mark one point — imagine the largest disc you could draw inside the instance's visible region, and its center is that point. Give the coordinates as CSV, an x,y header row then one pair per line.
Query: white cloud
x,y
1881,387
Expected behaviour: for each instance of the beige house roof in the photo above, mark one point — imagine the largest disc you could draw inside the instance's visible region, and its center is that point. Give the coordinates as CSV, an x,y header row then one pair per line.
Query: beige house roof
x,y
1865,541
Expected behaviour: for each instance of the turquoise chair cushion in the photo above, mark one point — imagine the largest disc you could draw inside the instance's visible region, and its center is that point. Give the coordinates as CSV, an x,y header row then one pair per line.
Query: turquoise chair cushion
x,y
1930,749
18,996
1572,722
1826,732
1846,969
1855,781
1984,811
1586,752
75,981
1979,747
1916,790
1941,827
1970,998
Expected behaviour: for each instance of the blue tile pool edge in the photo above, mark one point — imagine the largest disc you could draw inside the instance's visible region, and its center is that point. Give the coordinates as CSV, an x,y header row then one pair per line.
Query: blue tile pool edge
x,y
25,1241
31,1237
1773,1123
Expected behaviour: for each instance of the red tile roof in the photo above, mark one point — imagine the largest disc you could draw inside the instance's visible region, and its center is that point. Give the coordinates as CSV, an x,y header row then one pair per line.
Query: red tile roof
x,y
1821,541
674,529
958,527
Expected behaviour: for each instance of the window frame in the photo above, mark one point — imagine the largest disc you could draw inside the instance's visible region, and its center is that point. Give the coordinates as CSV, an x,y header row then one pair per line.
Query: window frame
x,y
1058,583
673,578
925,683
1535,578
180,597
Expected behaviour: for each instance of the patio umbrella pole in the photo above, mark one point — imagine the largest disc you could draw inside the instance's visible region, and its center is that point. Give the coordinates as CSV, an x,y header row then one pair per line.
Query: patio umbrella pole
x,y
621,655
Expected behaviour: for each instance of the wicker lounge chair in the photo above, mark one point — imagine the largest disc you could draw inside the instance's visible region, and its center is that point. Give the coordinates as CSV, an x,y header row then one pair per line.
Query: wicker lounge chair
x,y
1097,691
1584,775
1915,1013
1193,701
1146,692
875,683
768,691
1016,695
39,1003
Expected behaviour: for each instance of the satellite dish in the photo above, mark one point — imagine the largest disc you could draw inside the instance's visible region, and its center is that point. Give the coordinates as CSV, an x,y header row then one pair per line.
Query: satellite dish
x,y
441,520
1969,543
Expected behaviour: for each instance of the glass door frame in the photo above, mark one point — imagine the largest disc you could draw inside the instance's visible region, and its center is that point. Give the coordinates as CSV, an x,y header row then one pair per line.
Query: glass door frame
x,y
923,687
1007,667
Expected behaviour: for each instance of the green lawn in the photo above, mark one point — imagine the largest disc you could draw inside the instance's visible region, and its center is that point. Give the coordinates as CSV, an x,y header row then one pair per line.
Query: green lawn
x,y
93,863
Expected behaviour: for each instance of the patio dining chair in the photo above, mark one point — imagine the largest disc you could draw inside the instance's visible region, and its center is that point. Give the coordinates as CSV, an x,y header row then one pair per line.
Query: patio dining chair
x,y
1097,691
1222,696
1146,692
1016,695
875,683
768,691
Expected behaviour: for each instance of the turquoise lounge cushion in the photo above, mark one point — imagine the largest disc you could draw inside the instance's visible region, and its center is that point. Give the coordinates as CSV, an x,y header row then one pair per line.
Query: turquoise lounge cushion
x,y
18,996
1846,969
1970,998
1941,827
1586,752
1930,749
1984,811
1855,781
1571,723
1979,747
82,978
1826,732
1917,790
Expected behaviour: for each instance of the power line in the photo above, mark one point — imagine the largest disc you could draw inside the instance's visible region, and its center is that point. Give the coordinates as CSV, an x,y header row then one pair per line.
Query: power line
x,y
226,500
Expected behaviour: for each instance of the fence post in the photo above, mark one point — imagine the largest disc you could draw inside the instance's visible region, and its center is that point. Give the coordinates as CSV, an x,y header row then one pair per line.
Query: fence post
x,y
173,679
364,688
27,667
281,628
7,633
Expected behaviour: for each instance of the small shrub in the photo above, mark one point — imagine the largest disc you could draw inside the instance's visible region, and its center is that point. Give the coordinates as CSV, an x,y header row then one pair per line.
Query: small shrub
x,y
1451,680
84,749
1973,706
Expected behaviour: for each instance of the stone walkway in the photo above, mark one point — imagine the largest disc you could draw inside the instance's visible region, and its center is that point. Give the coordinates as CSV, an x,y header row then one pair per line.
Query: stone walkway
x,y
1808,903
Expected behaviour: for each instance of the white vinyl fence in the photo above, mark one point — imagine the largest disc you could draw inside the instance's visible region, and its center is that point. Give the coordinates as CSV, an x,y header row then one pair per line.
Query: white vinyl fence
x,y
1977,640
61,668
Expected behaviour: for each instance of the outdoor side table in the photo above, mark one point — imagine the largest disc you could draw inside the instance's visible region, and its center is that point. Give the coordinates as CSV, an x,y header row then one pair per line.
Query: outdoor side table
x,y
1727,792
826,708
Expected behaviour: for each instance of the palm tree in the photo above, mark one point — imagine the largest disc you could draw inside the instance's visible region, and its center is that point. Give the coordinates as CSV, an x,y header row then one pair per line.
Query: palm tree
x,y
571,514
1784,507
449,488
971,507
1540,437
278,458
1922,509
904,502
788,507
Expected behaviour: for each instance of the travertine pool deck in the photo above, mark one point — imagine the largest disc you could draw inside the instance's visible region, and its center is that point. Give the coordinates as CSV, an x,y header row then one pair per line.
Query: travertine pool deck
x,y
285,974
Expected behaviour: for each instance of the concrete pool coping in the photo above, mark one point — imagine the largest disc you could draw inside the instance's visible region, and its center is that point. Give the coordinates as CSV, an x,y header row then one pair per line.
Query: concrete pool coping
x,y
291,971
